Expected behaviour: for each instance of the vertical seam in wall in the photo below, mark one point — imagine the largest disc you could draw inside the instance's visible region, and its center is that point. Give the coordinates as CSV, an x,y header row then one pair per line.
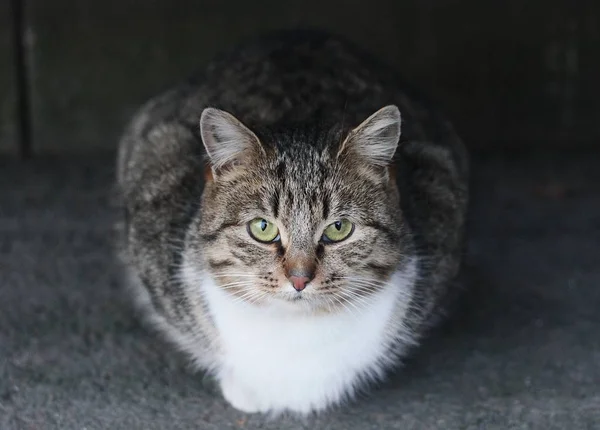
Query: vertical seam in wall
x,y
22,75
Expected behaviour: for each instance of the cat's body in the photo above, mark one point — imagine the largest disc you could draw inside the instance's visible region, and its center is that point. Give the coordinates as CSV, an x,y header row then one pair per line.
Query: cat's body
x,y
297,322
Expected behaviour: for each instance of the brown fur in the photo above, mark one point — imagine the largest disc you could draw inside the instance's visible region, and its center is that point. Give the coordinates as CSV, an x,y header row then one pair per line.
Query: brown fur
x,y
302,177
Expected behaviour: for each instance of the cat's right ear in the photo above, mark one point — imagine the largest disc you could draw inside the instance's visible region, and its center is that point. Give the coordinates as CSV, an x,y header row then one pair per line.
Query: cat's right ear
x,y
227,141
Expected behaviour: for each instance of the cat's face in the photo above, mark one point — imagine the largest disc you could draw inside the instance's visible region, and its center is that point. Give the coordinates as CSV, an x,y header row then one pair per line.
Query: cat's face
x,y
305,219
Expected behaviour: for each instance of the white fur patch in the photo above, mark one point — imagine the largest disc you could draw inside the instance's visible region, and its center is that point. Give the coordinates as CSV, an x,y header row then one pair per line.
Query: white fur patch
x,y
274,360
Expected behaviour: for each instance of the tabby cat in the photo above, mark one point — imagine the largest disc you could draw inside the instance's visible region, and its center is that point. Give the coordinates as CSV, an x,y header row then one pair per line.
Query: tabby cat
x,y
294,219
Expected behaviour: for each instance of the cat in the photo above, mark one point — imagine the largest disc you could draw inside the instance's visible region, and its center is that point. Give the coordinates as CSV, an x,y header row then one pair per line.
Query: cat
x,y
294,219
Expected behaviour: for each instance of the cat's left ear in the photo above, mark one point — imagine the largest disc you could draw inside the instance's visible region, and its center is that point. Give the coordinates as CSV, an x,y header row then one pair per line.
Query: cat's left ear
x,y
227,141
376,138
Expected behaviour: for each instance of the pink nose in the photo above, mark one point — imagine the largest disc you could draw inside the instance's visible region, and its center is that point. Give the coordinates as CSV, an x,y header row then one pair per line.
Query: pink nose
x,y
299,282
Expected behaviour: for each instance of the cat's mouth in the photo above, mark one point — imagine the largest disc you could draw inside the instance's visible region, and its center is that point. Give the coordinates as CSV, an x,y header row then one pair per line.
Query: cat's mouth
x,y
294,296
299,302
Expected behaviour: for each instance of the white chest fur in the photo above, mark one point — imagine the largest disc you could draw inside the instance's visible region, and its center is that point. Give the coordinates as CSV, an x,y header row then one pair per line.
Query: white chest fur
x,y
275,360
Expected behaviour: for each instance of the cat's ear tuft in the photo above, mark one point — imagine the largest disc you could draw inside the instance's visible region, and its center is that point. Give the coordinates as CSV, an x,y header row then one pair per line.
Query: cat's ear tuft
x,y
227,141
376,138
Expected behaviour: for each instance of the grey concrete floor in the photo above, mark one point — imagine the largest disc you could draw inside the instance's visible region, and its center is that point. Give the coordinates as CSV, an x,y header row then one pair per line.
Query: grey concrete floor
x,y
522,352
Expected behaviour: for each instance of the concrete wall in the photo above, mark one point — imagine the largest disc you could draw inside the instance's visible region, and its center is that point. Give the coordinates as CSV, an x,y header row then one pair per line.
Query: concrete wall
x,y
510,73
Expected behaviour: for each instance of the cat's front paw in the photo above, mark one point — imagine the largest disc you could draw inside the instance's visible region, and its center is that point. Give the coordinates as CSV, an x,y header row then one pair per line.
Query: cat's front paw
x,y
239,396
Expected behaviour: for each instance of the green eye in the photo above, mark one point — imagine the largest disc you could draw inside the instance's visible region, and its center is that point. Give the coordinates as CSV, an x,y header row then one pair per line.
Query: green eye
x,y
263,230
338,231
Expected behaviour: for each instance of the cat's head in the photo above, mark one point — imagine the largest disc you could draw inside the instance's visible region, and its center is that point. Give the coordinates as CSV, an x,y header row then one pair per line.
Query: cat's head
x,y
307,217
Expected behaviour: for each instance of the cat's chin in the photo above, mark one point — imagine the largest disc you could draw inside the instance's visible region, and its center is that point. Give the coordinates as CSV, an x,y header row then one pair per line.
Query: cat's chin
x,y
300,303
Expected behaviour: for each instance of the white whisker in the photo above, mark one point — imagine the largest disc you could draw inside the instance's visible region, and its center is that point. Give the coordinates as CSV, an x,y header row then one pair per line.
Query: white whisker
x,y
249,296
235,285
341,302
356,297
355,300
258,297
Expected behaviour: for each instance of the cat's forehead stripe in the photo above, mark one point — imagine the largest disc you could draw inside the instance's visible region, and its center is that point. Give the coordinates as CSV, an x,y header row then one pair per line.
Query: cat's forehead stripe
x,y
275,203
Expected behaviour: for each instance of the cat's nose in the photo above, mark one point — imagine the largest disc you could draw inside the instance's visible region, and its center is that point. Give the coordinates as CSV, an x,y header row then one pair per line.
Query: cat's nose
x,y
300,270
299,282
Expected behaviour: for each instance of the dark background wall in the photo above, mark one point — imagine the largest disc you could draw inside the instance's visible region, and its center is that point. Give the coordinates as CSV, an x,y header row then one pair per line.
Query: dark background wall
x,y
511,74
7,98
